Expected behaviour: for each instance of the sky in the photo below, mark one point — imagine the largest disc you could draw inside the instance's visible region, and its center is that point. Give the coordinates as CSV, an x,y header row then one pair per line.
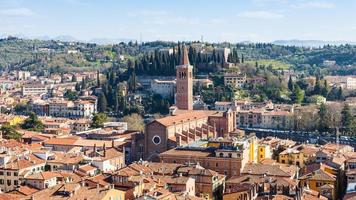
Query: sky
x,y
182,20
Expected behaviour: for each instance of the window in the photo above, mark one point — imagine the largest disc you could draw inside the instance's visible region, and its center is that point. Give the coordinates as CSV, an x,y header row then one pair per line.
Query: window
x,y
156,140
15,174
16,182
1,181
217,164
1,173
8,173
8,182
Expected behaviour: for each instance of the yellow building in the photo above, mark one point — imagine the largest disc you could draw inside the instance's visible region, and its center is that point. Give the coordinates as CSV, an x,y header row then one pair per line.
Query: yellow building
x,y
292,157
253,144
321,181
299,155
264,151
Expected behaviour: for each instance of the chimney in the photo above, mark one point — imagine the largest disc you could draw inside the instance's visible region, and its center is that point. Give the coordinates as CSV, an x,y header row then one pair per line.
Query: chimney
x,y
94,149
214,130
179,140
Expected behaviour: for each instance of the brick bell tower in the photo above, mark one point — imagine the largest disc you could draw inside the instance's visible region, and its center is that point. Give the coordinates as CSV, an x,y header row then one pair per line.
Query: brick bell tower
x,y
184,94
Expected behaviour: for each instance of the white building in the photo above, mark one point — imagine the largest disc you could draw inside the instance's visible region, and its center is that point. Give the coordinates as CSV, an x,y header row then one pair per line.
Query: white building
x,y
164,88
235,80
225,105
34,89
22,75
351,83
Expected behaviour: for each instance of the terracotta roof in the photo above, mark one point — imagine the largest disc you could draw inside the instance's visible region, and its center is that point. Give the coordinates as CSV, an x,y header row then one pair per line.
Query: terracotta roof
x,y
61,141
42,176
194,114
262,169
23,163
318,175
65,158
26,190
186,153
86,168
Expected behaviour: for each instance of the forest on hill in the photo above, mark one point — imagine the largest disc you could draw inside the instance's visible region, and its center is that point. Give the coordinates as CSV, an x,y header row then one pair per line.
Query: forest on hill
x,y
147,58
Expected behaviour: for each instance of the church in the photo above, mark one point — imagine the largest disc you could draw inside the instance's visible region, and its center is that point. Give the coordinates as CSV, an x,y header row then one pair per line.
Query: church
x,y
186,125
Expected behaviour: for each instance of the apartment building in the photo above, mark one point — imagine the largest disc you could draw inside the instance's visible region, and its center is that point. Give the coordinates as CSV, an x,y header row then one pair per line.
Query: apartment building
x,y
235,80
165,88
34,89
224,156
58,107
15,167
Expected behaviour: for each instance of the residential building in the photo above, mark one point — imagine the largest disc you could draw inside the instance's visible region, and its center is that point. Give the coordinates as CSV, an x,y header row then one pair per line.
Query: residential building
x,y
14,168
299,155
223,156
34,89
234,80
320,181
165,88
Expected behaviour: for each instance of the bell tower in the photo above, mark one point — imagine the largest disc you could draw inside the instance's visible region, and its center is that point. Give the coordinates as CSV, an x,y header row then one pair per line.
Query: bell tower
x,y
184,94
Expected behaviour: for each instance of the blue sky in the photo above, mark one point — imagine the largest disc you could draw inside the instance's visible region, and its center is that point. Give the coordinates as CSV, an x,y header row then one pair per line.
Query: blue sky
x,y
216,20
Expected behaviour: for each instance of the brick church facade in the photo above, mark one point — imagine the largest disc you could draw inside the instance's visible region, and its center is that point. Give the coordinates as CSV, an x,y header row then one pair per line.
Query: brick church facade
x,y
186,125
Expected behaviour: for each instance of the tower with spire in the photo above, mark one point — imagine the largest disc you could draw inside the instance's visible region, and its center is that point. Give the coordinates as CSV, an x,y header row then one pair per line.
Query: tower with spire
x,y
184,92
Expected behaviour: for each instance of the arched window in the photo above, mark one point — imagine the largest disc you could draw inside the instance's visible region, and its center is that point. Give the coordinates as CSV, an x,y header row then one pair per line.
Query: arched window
x,y
221,155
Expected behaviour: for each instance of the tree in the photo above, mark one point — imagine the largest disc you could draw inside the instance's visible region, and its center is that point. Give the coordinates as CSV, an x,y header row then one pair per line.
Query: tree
x,y
98,120
32,123
71,95
290,83
298,95
340,94
102,103
317,87
134,122
346,117
84,83
324,118
9,132
325,91
74,78
77,87
98,79
22,108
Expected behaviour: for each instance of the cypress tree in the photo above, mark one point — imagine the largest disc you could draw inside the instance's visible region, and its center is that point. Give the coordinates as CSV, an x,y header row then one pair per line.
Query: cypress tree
x,y
77,87
102,103
98,78
323,123
346,117
290,83
340,94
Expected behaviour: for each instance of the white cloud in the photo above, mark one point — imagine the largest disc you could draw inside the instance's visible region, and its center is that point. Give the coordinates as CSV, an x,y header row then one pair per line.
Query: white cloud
x,y
315,4
261,14
147,13
20,12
